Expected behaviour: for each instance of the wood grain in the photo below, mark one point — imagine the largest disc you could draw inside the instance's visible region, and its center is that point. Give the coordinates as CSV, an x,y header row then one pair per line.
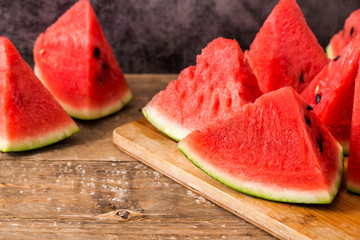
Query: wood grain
x,y
339,220
85,188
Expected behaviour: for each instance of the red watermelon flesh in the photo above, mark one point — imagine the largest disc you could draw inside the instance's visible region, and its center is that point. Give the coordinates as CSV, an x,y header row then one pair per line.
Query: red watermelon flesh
x,y
76,63
30,115
275,148
285,52
344,37
331,93
353,170
219,84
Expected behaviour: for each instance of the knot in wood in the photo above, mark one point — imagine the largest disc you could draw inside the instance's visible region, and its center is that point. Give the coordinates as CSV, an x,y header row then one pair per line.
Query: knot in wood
x,y
123,215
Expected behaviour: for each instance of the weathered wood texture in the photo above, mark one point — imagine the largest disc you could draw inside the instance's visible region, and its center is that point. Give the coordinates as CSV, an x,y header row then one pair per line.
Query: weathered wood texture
x,y
85,188
339,220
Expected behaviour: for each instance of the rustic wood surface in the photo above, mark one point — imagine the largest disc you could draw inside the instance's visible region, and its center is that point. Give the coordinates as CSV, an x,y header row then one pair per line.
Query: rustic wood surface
x,y
339,220
83,187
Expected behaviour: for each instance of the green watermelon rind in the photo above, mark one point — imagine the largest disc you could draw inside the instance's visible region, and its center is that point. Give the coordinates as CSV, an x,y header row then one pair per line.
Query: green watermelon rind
x,y
352,187
345,145
329,52
165,125
92,114
89,113
38,141
265,192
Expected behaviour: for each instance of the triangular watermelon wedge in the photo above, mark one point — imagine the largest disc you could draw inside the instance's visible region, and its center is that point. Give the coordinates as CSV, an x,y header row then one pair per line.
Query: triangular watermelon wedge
x,y
285,52
30,116
76,63
275,148
353,170
219,84
331,93
344,36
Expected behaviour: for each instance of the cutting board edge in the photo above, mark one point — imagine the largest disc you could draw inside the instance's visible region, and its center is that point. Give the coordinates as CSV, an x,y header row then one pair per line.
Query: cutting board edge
x,y
284,232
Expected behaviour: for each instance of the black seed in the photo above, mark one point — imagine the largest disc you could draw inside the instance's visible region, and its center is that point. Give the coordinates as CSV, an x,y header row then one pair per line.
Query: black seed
x,y
351,31
100,79
307,120
317,98
308,107
337,57
96,52
105,66
319,142
301,79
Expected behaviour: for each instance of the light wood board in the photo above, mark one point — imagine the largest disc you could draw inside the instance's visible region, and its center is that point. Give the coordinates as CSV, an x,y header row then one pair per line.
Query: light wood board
x,y
339,220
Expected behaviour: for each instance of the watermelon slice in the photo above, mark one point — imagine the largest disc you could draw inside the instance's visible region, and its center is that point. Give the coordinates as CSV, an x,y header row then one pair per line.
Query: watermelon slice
x,y
285,52
331,93
30,116
219,84
353,170
344,37
275,148
75,62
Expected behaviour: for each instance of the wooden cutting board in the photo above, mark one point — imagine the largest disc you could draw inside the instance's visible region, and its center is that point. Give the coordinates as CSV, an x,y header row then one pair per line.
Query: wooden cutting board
x,y
339,220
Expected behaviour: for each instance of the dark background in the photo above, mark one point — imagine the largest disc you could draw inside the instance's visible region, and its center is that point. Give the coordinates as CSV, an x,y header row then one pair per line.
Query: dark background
x,y
164,36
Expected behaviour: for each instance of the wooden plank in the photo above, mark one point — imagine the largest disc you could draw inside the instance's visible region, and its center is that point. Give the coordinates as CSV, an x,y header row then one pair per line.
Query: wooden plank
x,y
53,199
339,220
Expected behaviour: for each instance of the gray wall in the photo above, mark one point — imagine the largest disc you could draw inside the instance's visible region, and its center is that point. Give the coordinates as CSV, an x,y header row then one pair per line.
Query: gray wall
x,y
164,36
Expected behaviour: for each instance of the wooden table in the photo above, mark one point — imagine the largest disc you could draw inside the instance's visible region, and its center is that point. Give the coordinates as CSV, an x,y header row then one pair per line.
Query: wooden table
x,y
83,187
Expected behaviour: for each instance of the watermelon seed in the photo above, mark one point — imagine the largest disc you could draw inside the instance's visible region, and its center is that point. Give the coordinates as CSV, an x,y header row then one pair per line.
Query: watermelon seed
x,y
307,120
351,31
301,77
100,78
320,145
96,52
317,89
317,98
105,66
335,59
308,107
